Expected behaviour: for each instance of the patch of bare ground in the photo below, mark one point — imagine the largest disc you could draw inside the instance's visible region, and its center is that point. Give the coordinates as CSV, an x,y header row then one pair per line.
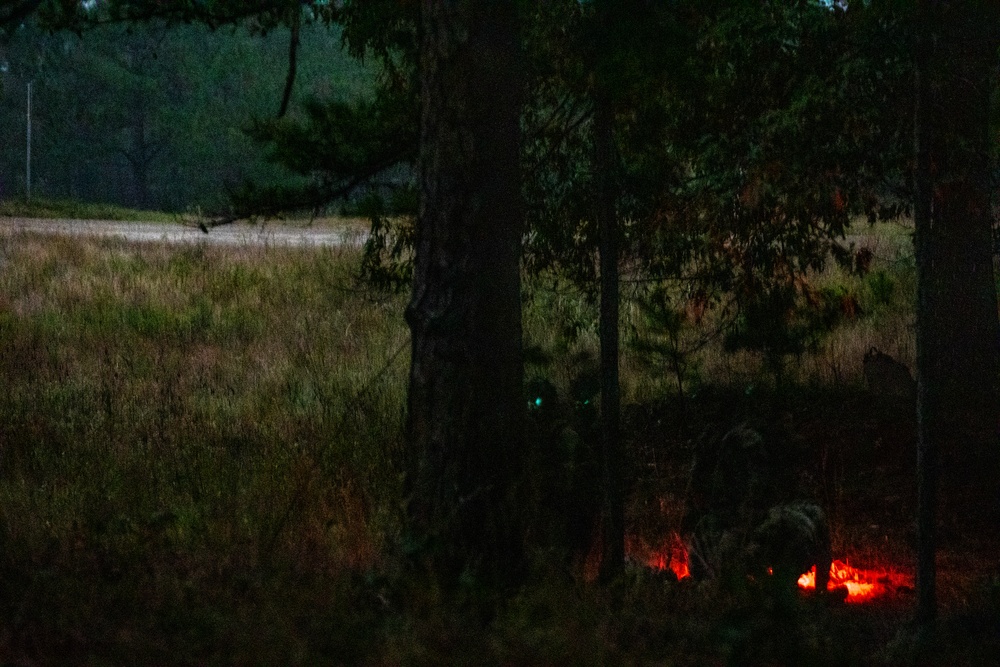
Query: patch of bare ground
x,y
319,232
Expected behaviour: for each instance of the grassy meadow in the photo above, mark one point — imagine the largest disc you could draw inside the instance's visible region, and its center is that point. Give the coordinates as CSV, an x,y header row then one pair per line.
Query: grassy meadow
x,y
183,428
199,464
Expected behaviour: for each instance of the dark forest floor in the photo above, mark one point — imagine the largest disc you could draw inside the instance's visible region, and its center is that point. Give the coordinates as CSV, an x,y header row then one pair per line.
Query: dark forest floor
x,y
68,606
856,455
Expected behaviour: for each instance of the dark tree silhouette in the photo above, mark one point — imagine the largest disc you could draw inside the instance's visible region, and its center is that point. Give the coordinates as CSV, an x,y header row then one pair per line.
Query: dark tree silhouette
x,y
15,11
927,439
958,333
465,401
612,453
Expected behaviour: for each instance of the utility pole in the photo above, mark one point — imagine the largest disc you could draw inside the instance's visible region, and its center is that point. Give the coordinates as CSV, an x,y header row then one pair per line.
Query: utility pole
x,y
27,165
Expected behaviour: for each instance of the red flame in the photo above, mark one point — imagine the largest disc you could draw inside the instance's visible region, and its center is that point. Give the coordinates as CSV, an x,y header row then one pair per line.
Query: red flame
x,y
860,585
671,556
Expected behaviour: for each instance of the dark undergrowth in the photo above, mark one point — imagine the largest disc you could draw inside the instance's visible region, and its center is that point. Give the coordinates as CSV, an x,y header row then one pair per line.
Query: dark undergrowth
x,y
119,591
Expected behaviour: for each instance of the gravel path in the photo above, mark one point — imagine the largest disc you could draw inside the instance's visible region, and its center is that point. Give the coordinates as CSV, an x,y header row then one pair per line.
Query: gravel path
x,y
234,234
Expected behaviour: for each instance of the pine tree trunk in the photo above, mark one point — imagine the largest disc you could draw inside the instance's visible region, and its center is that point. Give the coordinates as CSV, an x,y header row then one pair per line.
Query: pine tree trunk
x,y
961,252
465,421
958,331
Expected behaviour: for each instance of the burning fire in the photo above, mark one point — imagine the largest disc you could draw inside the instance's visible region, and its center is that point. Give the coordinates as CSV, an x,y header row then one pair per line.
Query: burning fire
x,y
672,556
676,561
861,585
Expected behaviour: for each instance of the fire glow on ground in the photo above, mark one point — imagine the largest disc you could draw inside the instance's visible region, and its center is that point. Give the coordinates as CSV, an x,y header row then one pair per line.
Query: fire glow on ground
x,y
862,585
857,585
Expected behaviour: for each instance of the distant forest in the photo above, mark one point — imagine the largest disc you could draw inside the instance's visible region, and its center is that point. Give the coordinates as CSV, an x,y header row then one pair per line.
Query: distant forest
x,y
150,117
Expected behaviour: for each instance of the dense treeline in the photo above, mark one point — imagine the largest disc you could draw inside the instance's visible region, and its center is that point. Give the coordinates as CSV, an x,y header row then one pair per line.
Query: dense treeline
x,y
152,116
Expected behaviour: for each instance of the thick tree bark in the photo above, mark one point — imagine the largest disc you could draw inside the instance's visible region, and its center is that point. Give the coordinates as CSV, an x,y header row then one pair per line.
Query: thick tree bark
x,y
465,399
958,332
967,336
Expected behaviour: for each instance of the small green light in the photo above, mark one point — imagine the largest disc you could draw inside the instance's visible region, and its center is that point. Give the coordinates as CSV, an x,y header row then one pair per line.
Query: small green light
x,y
538,402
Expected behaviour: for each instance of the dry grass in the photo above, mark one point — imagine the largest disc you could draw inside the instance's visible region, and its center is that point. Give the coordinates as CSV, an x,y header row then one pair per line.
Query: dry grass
x,y
189,417
199,465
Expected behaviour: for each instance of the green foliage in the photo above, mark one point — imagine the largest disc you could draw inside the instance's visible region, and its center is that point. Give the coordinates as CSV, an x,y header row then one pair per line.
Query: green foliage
x,y
744,135
559,318
790,319
881,287
157,113
387,261
338,149
262,17
663,340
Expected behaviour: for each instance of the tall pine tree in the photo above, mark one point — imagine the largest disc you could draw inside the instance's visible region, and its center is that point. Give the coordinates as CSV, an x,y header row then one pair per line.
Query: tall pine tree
x,y
465,400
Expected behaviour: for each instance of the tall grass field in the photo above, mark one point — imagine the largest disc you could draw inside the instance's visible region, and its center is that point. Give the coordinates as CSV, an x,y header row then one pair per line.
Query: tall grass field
x,y
183,428
200,464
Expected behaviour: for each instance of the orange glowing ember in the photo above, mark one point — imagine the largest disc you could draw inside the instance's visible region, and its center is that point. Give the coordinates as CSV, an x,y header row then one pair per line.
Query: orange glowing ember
x,y
671,556
861,585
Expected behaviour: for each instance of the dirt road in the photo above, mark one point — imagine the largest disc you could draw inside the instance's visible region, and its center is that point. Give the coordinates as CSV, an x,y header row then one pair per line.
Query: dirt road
x,y
268,234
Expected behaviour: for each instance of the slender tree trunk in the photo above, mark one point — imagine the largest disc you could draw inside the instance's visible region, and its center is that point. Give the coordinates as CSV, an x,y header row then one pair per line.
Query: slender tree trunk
x,y
140,157
466,406
613,514
293,60
927,390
